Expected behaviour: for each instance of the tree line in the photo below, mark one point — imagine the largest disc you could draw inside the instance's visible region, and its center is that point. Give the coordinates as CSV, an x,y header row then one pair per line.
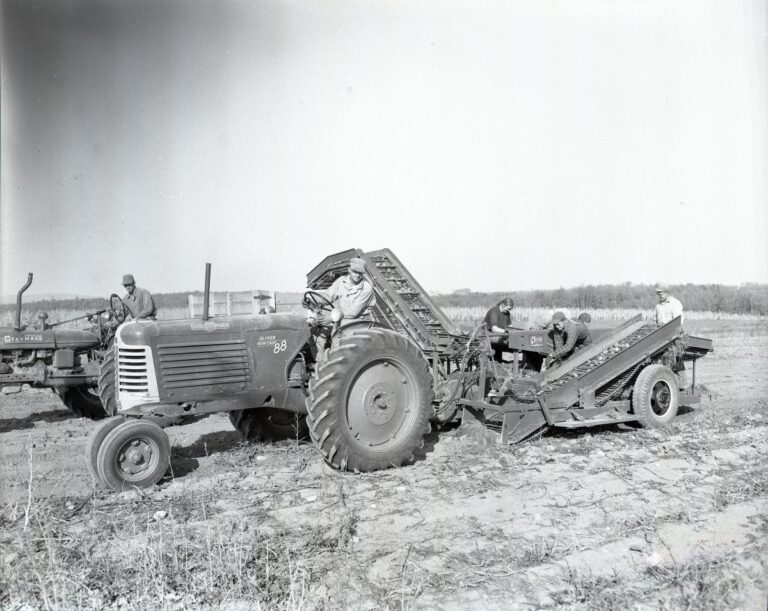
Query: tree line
x,y
749,298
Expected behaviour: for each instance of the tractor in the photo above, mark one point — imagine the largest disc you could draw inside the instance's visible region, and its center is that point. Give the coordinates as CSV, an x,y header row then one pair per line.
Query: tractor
x,y
370,400
64,360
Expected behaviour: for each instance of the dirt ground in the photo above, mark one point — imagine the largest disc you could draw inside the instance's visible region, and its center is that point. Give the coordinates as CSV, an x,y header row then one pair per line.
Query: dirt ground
x,y
616,517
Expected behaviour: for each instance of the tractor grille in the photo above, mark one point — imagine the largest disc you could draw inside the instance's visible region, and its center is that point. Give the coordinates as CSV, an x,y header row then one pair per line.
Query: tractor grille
x,y
204,363
132,369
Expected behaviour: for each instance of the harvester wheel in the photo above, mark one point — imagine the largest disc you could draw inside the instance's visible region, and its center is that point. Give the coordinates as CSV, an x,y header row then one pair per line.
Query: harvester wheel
x,y
96,439
371,401
135,453
83,402
269,424
655,396
107,383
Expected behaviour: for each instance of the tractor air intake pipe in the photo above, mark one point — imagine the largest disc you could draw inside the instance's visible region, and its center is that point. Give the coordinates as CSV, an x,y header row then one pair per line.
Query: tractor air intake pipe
x,y
17,324
207,290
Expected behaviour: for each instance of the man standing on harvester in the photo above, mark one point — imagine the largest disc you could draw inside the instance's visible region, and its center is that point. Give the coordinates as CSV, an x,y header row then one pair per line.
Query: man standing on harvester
x,y
569,336
139,301
668,307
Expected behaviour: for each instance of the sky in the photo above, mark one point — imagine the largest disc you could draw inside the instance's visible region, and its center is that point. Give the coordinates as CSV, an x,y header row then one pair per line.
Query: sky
x,y
503,145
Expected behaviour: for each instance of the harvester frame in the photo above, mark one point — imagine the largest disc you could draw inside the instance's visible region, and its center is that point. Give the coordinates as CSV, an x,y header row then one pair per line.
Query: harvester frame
x,y
592,388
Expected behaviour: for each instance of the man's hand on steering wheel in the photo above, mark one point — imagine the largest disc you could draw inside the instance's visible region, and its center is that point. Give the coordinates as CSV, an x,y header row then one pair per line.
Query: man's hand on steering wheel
x,y
322,309
117,308
316,302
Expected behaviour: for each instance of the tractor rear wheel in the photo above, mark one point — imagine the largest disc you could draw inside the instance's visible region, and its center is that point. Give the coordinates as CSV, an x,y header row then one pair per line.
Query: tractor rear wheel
x,y
134,453
655,396
83,402
371,402
107,383
269,424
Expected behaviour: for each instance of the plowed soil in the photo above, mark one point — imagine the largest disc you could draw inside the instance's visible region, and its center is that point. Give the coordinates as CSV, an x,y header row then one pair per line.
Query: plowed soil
x,y
615,517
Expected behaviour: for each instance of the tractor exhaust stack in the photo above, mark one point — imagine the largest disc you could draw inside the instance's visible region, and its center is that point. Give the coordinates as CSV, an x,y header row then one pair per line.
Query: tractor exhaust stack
x,y
17,322
206,295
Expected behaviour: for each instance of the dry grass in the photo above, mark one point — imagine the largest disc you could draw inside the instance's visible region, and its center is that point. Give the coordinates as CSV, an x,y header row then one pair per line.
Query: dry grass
x,y
703,583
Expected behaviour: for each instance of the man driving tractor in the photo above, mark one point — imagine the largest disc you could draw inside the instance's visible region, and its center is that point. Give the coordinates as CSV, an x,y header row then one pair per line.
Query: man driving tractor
x,y
352,299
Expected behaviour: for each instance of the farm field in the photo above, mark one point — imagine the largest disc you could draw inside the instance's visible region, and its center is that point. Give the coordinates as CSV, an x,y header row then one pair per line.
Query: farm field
x,y
610,518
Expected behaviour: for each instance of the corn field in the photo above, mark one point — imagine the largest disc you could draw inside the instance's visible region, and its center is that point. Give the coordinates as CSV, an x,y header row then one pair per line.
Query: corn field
x,y
475,314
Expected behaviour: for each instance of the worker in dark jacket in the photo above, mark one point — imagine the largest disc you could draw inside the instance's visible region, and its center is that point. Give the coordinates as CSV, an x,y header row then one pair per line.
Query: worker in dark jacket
x,y
569,336
139,301
496,320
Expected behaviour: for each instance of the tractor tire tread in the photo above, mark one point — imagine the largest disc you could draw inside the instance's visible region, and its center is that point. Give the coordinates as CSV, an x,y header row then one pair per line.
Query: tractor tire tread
x,y
326,390
255,425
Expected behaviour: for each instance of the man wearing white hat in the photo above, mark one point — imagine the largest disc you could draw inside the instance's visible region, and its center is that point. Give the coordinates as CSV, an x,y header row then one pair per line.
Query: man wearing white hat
x,y
668,307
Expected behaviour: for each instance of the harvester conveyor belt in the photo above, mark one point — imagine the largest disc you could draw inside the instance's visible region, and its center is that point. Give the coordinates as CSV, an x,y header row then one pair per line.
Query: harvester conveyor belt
x,y
608,360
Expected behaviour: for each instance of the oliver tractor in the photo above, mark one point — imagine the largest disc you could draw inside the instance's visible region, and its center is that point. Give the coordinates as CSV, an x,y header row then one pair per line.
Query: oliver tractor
x,y
65,360
367,403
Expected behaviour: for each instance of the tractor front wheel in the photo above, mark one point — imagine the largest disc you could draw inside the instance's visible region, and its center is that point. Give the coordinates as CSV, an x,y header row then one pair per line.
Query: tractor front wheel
x,y
96,439
136,453
371,402
269,424
83,402
655,396
107,383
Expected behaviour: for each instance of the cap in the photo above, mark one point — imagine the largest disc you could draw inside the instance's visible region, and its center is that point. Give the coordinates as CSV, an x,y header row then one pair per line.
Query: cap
x,y
662,288
356,264
558,316
128,279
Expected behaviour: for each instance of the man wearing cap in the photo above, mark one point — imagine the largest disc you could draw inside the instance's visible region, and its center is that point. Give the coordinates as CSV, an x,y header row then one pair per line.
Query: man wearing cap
x,y
569,336
668,307
352,295
139,301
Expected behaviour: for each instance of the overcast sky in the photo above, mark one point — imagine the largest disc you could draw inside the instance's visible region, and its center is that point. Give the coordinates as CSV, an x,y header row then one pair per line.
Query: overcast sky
x,y
494,145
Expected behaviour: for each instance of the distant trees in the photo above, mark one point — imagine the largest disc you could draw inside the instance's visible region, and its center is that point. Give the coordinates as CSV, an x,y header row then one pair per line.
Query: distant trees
x,y
750,298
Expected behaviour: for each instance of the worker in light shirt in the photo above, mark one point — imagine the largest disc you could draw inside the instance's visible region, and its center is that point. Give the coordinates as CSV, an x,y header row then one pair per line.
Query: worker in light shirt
x,y
352,298
668,307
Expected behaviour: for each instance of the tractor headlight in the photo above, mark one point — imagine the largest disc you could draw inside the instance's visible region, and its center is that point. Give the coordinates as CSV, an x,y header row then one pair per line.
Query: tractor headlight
x,y
336,315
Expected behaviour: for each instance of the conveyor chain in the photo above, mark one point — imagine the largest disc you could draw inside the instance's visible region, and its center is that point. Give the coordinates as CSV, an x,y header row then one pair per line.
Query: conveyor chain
x,y
412,297
593,363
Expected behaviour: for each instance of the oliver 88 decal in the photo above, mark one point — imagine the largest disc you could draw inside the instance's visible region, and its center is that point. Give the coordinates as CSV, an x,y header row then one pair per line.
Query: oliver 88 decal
x,y
267,341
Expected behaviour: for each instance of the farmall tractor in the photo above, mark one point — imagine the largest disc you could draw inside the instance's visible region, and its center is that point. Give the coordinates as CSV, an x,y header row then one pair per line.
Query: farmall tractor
x,y
64,360
368,403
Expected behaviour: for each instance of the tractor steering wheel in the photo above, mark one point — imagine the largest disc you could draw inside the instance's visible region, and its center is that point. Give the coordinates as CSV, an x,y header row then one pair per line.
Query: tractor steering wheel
x,y
118,308
316,302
